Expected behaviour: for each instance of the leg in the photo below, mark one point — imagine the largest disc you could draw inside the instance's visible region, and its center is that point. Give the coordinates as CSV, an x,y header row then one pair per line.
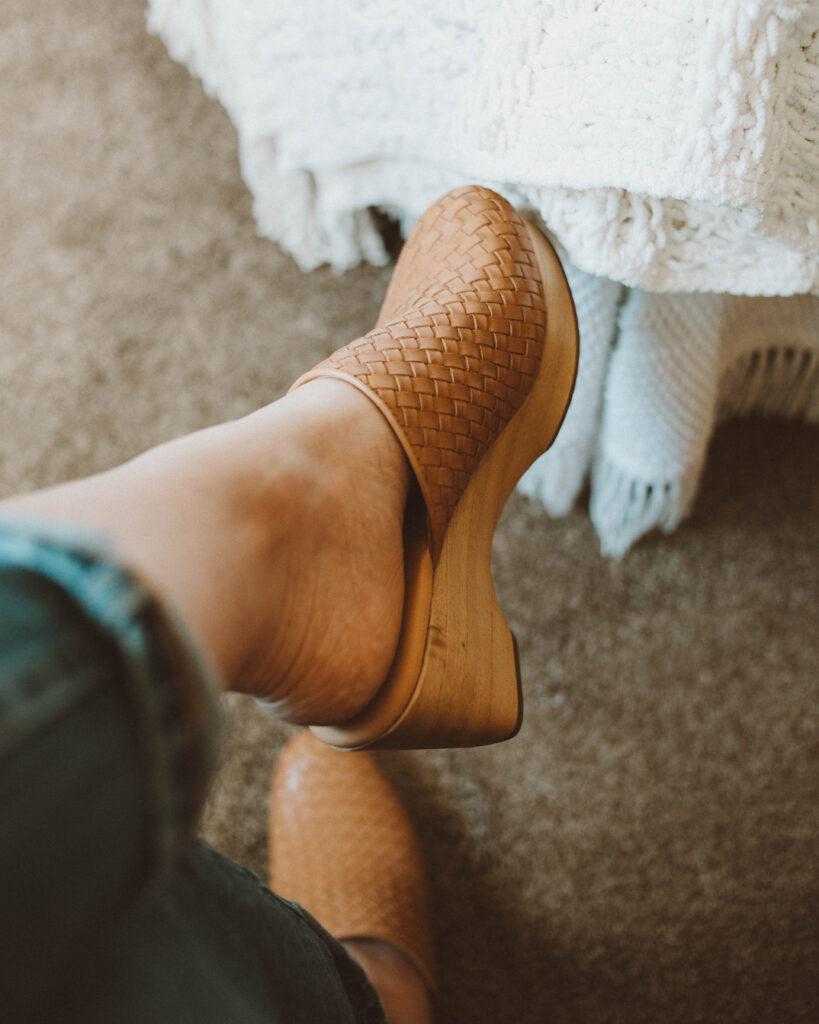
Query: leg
x,y
235,525
399,986
106,743
278,539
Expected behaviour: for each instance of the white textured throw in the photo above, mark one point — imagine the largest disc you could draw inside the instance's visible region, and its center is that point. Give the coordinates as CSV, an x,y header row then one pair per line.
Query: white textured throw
x,y
657,373
670,145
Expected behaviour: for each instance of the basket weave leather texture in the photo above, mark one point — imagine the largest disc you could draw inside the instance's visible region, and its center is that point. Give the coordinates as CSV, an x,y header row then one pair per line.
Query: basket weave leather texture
x,y
342,846
458,342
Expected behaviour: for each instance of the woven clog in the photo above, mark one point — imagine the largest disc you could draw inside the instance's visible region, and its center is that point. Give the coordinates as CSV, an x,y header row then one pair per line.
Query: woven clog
x,y
342,846
472,363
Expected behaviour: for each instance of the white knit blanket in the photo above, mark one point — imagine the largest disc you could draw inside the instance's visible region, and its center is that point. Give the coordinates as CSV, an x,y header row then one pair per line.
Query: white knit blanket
x,y
668,145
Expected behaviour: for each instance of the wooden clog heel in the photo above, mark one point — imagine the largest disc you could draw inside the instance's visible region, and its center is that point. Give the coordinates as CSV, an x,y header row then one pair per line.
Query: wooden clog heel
x,y
473,363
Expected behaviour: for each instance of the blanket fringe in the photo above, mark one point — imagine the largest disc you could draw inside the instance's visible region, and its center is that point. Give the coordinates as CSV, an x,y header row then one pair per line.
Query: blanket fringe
x,y
557,478
770,381
623,508
781,381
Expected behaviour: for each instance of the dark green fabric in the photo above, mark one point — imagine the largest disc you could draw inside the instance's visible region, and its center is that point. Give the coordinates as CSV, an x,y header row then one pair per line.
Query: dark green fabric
x,y
217,945
72,817
108,911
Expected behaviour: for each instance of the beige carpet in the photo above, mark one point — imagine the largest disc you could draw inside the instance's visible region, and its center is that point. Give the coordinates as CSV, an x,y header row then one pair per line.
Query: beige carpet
x,y
645,850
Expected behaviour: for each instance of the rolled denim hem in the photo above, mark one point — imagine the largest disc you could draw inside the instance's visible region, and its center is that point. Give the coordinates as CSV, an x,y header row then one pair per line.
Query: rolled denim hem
x,y
171,686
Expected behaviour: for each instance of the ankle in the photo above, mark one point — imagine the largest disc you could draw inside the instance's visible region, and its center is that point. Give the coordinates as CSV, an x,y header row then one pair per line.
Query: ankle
x,y
321,504
400,987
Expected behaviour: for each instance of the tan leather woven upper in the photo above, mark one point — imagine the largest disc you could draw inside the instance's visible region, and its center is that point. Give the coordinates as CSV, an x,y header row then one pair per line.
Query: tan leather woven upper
x,y
457,345
343,847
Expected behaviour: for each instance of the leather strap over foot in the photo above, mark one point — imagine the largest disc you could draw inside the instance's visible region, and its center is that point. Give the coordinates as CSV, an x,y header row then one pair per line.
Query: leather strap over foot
x,y
458,343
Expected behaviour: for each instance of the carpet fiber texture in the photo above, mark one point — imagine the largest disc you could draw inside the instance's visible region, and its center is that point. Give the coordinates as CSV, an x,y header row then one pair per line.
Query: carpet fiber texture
x,y
645,849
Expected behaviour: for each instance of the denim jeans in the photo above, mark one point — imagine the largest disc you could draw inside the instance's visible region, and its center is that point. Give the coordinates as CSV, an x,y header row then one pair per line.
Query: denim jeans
x,y
109,910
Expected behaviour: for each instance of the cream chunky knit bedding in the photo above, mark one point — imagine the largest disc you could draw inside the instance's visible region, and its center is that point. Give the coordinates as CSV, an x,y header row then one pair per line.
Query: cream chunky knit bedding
x,y
668,146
